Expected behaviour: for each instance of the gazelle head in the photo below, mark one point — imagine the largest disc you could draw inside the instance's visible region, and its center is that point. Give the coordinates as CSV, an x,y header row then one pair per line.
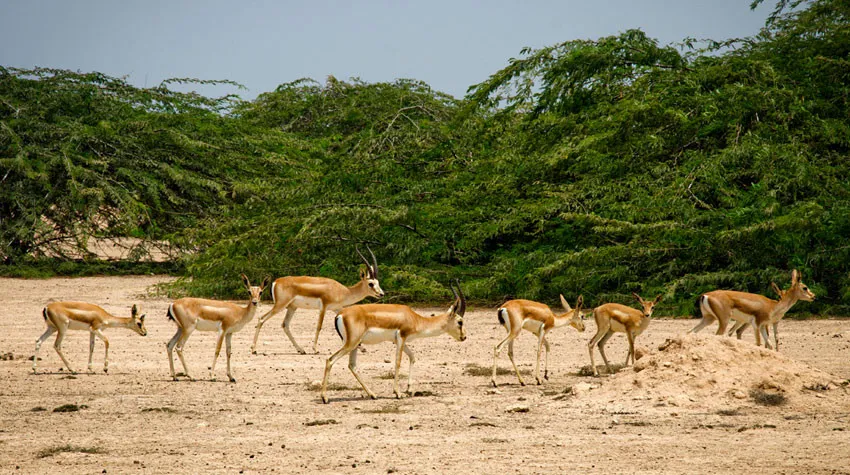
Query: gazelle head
x,y
370,274
798,289
576,320
137,323
454,325
256,292
648,305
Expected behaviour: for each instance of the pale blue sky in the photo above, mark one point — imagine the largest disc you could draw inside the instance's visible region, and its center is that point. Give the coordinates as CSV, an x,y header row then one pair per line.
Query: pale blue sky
x,y
448,44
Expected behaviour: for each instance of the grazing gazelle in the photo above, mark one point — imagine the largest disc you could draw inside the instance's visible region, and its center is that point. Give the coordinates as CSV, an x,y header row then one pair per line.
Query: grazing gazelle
x,y
616,318
538,318
226,318
754,309
375,323
292,293
63,316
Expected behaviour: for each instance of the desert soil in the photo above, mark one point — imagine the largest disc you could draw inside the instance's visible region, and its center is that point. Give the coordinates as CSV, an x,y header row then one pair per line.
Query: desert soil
x,y
687,411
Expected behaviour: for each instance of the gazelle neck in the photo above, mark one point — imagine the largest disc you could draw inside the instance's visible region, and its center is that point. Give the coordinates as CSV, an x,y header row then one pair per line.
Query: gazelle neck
x,y
563,319
356,293
118,322
433,326
785,303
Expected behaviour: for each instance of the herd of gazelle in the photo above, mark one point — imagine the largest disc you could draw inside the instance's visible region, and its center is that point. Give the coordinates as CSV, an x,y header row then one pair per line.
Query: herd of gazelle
x,y
368,324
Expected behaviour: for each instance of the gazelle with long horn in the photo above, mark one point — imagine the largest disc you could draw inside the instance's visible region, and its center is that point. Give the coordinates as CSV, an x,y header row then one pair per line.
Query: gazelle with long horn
x,y
294,292
225,318
63,316
617,318
370,324
538,318
754,309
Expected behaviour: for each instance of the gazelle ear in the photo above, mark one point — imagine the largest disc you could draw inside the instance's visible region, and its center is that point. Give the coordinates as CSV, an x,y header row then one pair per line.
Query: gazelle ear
x,y
795,277
134,311
142,318
637,297
266,282
246,281
363,273
579,303
565,304
658,299
776,288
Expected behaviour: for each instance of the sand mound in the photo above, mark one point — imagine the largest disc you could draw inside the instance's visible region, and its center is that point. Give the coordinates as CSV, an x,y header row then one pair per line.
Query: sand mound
x,y
715,372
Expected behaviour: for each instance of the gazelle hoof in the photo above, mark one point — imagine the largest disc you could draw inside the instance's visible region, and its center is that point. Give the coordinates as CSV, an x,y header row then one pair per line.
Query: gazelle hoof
x,y
106,370
325,399
493,382
522,383
302,352
373,396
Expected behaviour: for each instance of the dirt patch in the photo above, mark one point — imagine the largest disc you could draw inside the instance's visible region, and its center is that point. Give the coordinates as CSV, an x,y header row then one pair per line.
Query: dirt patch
x,y
706,372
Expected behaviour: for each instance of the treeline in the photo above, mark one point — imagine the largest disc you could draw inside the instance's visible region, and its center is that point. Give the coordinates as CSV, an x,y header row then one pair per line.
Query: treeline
x,y
594,167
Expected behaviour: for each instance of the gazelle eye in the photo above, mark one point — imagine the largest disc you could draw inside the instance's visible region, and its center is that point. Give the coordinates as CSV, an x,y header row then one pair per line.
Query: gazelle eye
x,y
371,284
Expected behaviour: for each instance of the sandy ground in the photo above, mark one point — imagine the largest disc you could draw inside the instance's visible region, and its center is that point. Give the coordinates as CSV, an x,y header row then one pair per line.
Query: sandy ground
x,y
143,422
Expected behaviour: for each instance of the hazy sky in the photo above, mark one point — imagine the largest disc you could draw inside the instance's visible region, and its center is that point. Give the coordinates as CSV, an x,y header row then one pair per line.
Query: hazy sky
x,y
448,44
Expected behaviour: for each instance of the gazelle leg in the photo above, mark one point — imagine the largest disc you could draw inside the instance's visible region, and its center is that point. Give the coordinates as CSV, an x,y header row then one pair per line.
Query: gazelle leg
x,y
766,335
184,337
399,349
352,365
496,350
412,359
58,346
546,361
262,321
290,312
756,330
511,357
227,350
106,352
540,337
44,336
601,346
319,328
218,341
631,337
91,348
776,335
170,348
601,332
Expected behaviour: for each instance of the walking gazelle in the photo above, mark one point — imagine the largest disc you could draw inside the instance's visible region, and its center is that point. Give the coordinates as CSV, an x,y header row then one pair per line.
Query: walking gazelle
x,y
538,318
294,292
226,318
376,323
617,318
747,308
63,316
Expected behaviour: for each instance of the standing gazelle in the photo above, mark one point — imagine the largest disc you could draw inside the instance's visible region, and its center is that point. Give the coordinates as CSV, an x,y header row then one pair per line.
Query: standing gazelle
x,y
538,318
747,308
63,316
226,318
616,318
375,323
292,293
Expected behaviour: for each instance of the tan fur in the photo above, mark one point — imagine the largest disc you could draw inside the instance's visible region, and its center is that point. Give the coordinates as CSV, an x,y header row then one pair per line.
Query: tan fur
x,y
616,318
375,323
225,318
522,313
333,296
746,308
63,316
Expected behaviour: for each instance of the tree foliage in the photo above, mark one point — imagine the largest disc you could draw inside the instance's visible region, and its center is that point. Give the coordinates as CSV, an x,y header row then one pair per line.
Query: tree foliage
x,y
598,167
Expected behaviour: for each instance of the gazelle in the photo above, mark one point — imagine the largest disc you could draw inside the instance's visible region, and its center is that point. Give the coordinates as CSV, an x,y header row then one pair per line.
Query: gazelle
x,y
741,325
616,318
63,316
538,318
226,318
292,293
375,323
758,310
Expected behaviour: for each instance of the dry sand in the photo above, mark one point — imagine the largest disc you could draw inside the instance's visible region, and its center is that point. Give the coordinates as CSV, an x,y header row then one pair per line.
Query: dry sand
x,y
688,409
